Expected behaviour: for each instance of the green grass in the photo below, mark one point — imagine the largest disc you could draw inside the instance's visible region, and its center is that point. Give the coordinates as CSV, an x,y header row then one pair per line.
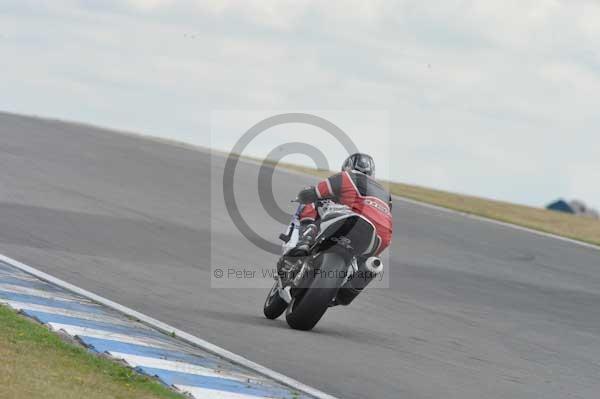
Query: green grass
x,y
36,363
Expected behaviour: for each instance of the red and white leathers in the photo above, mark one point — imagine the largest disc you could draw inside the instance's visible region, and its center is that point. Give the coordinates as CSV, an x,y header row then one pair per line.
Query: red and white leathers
x,y
363,195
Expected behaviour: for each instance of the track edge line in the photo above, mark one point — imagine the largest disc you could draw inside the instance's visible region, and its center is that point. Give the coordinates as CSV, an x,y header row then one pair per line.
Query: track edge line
x,y
497,222
453,211
168,329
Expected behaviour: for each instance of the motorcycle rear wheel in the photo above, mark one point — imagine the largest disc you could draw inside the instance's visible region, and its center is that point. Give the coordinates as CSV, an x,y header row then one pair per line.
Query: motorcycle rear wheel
x,y
304,312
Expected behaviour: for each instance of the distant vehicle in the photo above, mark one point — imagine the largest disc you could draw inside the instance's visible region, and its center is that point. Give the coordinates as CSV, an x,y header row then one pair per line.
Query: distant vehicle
x,y
574,207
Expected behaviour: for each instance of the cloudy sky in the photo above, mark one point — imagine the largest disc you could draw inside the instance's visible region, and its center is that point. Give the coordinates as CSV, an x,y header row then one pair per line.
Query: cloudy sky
x,y
492,98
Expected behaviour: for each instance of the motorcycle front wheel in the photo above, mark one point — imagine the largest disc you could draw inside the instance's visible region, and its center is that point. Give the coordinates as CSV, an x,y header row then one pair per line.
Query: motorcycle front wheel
x,y
274,306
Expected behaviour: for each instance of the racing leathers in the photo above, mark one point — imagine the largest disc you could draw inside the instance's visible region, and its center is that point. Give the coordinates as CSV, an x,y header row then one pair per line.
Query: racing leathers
x,y
366,197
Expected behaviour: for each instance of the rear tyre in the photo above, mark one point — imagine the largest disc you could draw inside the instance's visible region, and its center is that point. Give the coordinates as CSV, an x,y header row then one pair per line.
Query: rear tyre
x,y
274,306
305,312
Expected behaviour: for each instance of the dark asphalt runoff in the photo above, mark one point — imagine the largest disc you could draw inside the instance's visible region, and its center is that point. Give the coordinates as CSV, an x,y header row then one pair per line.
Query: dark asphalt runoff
x,y
474,309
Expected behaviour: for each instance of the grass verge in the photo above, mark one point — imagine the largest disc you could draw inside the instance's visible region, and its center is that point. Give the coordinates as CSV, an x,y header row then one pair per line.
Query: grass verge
x,y
36,363
562,224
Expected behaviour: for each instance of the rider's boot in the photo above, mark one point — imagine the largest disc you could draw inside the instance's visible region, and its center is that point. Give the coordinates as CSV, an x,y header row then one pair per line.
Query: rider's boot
x,y
307,237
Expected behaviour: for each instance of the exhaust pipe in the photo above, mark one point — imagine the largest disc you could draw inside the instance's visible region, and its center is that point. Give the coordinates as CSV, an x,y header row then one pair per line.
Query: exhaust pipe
x,y
374,265
366,273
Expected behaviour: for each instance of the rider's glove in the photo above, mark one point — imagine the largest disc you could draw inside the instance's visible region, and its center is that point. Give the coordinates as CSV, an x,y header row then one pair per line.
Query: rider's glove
x,y
307,195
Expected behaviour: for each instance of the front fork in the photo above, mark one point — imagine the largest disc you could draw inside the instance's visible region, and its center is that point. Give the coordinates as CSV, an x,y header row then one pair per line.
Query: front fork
x,y
294,276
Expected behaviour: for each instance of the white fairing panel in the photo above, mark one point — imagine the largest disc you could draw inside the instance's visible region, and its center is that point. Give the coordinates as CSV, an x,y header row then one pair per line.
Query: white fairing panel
x,y
293,240
330,209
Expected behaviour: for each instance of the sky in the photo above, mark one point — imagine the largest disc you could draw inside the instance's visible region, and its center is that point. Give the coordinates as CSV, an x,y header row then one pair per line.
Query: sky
x,y
491,98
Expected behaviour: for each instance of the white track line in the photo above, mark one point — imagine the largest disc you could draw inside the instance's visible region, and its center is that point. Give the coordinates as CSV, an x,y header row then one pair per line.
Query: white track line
x,y
170,365
204,393
448,210
68,313
113,336
498,222
159,325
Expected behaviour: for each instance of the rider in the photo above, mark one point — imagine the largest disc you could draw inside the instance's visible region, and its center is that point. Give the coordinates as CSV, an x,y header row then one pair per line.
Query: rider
x,y
355,187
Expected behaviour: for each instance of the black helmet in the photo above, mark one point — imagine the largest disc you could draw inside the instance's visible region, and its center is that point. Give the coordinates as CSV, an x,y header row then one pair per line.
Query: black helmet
x,y
361,162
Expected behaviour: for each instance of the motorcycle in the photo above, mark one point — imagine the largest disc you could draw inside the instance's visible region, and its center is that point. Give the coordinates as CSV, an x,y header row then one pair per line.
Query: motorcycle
x,y
305,287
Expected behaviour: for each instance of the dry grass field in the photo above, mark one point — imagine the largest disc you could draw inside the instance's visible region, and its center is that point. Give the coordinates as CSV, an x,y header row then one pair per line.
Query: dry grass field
x,y
575,227
578,228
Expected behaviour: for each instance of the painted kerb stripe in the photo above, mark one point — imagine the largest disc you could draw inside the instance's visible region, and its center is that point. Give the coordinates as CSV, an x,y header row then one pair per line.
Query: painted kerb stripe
x,y
184,336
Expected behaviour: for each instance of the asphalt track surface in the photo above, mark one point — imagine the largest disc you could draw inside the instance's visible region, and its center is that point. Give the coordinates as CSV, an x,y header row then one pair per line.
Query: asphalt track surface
x,y
474,309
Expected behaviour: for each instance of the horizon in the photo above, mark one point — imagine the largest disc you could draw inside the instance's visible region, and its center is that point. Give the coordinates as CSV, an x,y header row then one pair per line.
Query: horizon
x,y
225,152
490,102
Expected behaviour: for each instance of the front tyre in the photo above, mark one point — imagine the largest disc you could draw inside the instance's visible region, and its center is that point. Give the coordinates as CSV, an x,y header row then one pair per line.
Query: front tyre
x,y
274,306
305,312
